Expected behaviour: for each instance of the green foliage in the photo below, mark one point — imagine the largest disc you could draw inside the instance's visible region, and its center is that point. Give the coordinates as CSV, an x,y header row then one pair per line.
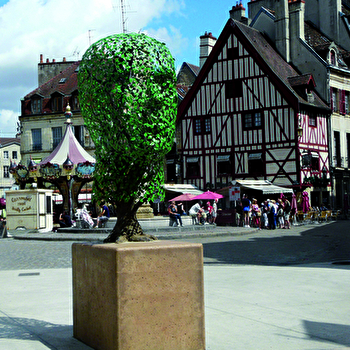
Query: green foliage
x,y
127,92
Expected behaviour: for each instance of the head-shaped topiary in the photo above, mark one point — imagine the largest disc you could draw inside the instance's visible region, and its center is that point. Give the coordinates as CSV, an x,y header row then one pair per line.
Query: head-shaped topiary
x,y
127,92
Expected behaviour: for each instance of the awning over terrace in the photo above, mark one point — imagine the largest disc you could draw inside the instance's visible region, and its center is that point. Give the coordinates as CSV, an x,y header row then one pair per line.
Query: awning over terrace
x,y
182,188
265,186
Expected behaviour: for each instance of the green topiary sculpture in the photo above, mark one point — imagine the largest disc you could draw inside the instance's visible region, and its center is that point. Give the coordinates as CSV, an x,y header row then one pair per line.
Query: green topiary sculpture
x,y
127,92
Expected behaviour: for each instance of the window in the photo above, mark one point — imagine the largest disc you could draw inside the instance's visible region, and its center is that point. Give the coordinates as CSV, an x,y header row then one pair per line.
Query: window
x,y
6,154
224,165
6,171
202,126
333,58
346,101
74,101
312,119
234,89
197,126
348,148
334,100
256,164
14,154
79,133
337,154
310,160
232,53
306,160
36,139
342,102
36,105
252,120
56,136
193,169
56,103
315,162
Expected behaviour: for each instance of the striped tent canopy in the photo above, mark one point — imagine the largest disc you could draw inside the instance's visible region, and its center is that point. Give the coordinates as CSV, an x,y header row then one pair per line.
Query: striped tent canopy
x,y
70,148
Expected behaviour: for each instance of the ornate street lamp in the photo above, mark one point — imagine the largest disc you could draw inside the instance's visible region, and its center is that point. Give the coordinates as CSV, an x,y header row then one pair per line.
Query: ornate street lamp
x,y
300,132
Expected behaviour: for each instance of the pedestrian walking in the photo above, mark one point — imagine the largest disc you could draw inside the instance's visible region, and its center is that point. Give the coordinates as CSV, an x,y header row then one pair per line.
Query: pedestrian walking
x,y
214,213
246,205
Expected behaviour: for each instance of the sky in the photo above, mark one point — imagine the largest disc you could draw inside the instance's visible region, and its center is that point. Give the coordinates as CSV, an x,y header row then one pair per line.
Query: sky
x,y
66,28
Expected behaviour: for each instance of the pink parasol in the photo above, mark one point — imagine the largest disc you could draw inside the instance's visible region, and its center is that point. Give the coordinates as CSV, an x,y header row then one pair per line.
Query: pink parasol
x,y
185,197
293,205
208,195
305,202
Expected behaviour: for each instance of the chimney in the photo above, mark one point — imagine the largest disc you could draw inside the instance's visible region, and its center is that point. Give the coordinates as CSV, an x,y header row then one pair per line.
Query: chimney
x,y
238,12
41,58
282,28
47,60
207,42
296,26
64,59
329,12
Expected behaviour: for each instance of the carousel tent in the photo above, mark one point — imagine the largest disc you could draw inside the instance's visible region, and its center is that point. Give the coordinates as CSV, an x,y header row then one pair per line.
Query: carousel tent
x,y
68,147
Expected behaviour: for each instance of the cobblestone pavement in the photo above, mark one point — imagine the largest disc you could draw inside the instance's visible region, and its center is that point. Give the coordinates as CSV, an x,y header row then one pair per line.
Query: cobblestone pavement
x,y
300,245
18,254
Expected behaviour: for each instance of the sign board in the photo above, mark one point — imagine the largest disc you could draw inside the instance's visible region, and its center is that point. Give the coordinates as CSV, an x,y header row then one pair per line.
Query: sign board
x,y
22,204
235,193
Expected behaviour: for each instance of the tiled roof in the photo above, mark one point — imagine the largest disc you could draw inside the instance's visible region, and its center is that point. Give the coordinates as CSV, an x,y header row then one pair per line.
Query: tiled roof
x,y
182,90
305,79
267,56
64,83
194,68
321,43
4,141
277,64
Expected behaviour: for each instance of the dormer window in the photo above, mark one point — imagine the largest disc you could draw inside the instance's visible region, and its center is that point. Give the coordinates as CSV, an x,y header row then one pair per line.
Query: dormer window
x,y
36,105
56,102
333,58
74,101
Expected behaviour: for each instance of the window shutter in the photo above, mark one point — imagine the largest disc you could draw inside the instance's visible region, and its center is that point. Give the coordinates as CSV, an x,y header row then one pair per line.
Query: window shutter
x,y
342,102
331,98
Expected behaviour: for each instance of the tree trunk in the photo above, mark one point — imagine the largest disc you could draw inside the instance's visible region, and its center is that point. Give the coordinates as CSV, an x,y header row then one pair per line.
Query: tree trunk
x,y
127,228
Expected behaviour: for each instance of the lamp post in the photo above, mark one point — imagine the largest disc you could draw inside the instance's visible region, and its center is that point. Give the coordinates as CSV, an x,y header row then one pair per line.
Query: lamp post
x,y
68,166
300,132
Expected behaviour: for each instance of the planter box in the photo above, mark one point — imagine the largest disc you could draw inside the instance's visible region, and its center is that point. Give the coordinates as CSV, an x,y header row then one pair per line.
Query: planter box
x,y
139,296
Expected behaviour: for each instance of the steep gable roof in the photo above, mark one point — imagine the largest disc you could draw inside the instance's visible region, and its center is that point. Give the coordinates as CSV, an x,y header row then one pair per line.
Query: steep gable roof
x,y
265,55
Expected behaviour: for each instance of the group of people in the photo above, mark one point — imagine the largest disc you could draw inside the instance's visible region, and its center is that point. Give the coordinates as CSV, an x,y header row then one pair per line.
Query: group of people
x,y
82,214
270,214
202,214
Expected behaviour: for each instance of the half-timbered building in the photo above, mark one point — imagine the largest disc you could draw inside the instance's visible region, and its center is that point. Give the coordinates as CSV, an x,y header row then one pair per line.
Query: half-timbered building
x,y
250,115
314,35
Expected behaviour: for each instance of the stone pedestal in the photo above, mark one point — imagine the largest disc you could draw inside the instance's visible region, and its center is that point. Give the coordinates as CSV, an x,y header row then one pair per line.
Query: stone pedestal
x,y
139,296
145,212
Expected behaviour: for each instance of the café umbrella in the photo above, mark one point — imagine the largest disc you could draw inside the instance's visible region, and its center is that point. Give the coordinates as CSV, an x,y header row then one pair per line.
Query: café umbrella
x,y
208,195
185,197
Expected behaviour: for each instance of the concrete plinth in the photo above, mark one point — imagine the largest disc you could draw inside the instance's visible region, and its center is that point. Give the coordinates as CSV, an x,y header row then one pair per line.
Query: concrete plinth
x,y
139,296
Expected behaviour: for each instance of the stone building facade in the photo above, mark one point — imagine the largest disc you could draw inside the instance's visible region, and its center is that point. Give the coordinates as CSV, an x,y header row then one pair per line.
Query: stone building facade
x,y
314,36
9,153
42,112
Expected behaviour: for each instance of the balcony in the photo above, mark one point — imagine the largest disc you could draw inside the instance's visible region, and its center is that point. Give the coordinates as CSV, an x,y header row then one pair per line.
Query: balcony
x,y
37,147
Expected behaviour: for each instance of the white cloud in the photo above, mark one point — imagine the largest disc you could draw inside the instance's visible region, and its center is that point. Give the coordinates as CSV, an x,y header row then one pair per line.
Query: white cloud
x,y
172,37
57,29
8,123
